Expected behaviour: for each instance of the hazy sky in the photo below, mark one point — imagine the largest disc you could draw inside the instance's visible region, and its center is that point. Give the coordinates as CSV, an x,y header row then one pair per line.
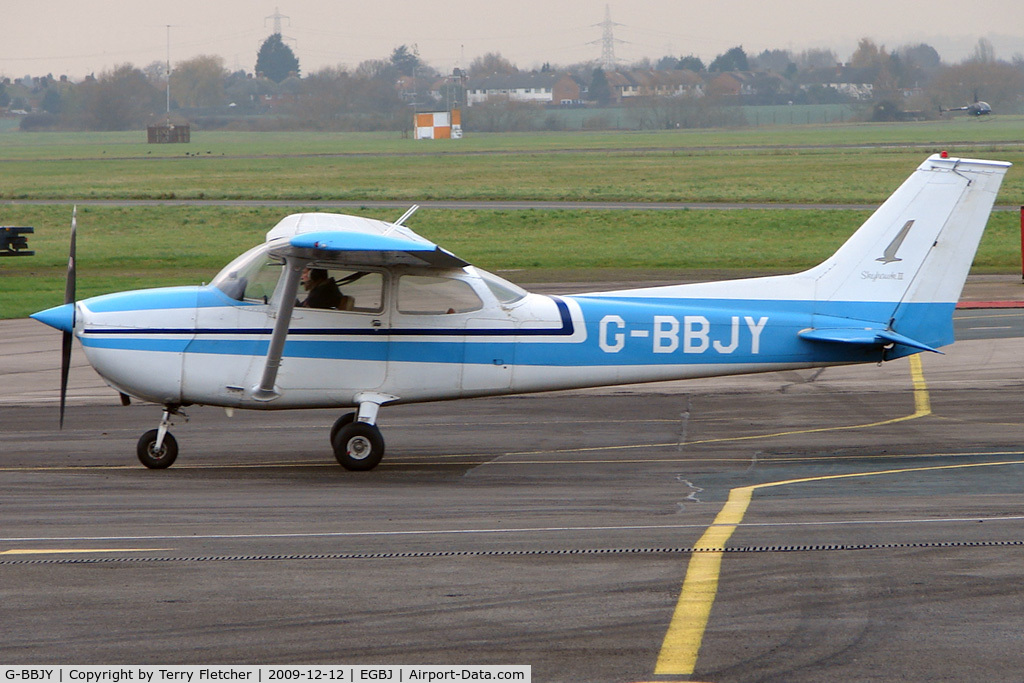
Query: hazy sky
x,y
77,37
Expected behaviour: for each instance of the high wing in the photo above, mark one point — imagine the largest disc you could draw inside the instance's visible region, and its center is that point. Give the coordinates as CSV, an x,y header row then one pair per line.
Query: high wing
x,y
353,240
366,249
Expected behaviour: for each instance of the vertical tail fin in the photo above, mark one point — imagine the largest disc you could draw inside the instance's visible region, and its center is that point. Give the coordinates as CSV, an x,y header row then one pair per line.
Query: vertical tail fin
x,y
913,254
918,246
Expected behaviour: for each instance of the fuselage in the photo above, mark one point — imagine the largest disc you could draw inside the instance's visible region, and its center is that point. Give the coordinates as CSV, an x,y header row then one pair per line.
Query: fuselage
x,y
199,345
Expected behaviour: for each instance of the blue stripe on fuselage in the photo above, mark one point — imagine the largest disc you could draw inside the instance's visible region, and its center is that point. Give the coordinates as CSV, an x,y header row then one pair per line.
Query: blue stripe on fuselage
x,y
619,331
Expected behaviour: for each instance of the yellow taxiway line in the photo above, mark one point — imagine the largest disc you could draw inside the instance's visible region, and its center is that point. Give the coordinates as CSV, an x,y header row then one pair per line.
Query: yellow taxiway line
x,y
678,655
71,551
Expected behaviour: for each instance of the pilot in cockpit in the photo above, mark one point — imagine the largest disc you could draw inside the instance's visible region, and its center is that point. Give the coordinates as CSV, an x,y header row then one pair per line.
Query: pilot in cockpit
x,y
323,290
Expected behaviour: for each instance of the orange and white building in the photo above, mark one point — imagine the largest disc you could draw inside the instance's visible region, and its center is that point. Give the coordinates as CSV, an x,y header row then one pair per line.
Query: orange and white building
x,y
438,125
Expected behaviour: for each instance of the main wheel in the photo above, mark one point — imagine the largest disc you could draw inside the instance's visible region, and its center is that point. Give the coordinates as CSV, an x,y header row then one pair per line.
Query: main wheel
x,y
347,418
358,446
157,459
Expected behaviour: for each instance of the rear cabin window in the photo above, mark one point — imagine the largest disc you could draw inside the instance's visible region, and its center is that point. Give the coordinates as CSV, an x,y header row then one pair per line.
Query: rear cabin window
x,y
426,295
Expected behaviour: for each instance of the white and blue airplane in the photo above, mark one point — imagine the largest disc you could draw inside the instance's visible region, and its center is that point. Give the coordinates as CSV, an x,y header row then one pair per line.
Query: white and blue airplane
x,y
409,321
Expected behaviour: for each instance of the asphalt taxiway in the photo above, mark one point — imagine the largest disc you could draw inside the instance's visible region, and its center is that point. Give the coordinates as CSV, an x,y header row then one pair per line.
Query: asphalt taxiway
x,y
848,524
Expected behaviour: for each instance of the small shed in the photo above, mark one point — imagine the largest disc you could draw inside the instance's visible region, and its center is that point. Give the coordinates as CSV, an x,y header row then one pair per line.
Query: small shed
x,y
168,132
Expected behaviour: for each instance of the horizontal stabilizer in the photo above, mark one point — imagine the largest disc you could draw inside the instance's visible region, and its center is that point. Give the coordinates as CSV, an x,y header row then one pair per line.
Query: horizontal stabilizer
x,y
361,248
862,336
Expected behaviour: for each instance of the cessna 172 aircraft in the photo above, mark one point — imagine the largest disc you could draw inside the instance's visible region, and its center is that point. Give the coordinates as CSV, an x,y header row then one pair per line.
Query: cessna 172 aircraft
x,y
409,321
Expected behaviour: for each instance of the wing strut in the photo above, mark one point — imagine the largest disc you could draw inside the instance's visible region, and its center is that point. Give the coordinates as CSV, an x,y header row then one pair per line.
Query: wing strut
x,y
265,391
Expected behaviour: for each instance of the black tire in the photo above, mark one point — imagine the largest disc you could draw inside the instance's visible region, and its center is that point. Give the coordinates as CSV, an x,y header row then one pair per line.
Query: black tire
x,y
347,418
153,459
358,446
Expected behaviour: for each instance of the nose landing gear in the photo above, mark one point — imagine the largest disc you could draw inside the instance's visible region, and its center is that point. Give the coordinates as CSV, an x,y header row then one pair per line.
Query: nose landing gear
x,y
157,449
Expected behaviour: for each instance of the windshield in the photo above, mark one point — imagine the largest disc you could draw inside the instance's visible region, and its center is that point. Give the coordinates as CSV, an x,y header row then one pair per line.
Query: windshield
x,y
251,277
503,290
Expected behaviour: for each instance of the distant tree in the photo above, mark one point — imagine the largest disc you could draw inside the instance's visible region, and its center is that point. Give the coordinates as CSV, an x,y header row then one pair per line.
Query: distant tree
x,y
984,52
290,86
997,83
5,98
922,56
666,63
243,91
600,91
199,82
691,63
377,70
816,58
868,55
406,60
156,72
779,61
375,96
275,60
491,63
734,59
51,102
326,99
885,111
118,100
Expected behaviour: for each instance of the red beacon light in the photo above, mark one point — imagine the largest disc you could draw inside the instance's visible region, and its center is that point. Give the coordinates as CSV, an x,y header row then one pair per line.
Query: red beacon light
x,y
944,154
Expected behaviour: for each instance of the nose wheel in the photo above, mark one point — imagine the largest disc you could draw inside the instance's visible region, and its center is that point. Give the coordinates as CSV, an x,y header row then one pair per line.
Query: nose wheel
x,y
158,449
157,457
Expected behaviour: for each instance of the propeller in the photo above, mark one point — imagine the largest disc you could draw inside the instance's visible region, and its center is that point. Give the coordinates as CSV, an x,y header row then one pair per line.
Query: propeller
x,y
68,337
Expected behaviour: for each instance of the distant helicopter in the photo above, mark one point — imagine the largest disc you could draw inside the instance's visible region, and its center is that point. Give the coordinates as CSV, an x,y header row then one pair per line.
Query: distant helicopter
x,y
977,108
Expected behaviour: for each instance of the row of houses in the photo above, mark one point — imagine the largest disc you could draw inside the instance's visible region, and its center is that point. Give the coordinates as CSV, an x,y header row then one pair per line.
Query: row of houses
x,y
554,88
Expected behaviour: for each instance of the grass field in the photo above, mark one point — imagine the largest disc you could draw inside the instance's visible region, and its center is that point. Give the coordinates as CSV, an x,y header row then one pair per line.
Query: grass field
x,y
848,163
121,248
954,131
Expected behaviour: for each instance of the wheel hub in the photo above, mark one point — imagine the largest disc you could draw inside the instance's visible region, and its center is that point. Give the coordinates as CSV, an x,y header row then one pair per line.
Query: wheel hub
x,y
359,447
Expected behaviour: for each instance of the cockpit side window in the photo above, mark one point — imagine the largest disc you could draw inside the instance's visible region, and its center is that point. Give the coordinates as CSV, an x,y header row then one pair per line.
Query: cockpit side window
x,y
361,291
431,295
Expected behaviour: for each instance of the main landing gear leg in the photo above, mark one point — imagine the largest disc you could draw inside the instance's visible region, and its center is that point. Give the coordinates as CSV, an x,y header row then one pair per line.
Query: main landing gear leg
x,y
357,442
157,448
